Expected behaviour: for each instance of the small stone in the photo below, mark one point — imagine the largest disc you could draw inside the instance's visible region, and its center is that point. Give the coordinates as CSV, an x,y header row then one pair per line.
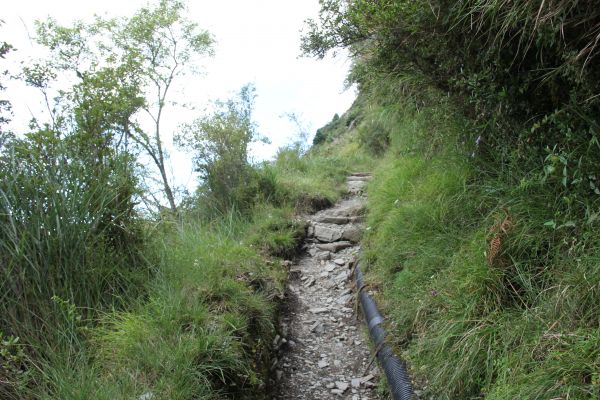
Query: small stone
x,y
278,375
317,328
356,382
341,277
323,364
310,282
339,261
330,385
343,386
319,310
367,378
344,299
337,363
330,267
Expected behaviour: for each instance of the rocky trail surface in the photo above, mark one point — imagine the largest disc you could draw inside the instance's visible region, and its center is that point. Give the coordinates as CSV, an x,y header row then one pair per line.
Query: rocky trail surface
x,y
322,351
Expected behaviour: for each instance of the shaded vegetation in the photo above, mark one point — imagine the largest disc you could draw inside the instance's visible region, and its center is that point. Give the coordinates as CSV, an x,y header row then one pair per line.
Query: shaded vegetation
x,y
482,224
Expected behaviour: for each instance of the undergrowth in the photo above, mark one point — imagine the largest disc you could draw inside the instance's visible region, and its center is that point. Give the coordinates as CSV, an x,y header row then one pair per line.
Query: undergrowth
x,y
198,320
489,294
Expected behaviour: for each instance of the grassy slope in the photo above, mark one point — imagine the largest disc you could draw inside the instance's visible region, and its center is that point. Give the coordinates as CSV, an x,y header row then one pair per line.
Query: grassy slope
x,y
204,329
522,324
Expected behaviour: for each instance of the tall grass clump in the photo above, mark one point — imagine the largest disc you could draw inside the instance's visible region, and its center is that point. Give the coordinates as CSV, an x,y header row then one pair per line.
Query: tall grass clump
x,y
203,331
488,292
71,243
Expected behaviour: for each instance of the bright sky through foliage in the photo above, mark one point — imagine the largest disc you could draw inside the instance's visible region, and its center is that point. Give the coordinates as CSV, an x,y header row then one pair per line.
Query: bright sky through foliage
x,y
256,42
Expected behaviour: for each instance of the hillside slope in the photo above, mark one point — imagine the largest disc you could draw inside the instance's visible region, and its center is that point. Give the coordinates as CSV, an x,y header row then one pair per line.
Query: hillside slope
x,y
488,295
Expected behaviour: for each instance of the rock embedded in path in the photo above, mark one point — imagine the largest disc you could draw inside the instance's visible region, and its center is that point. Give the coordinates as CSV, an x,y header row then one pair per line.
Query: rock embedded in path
x,y
363,178
328,234
356,187
349,208
334,247
331,219
352,233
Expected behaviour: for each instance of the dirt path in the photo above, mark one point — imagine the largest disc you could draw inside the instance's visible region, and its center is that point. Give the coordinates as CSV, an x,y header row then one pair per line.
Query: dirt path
x,y
323,353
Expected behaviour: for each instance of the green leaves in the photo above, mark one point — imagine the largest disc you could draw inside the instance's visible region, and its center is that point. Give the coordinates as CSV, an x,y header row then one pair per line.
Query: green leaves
x,y
124,66
219,143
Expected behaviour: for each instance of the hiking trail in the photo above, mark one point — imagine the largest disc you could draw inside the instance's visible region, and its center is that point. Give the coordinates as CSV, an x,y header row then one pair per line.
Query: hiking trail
x,y
323,351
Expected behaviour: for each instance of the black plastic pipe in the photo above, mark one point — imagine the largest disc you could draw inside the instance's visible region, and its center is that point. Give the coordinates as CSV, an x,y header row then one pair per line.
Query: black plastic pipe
x,y
394,368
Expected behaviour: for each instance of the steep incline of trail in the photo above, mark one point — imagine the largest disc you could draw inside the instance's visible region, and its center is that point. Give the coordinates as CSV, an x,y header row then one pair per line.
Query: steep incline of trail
x,y
323,352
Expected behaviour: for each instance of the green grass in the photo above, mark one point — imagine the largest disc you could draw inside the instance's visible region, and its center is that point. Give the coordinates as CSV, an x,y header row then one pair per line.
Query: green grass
x,y
204,331
524,326
200,323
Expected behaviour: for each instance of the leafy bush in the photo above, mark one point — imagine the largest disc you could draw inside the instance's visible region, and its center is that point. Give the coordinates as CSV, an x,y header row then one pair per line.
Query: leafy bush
x,y
219,143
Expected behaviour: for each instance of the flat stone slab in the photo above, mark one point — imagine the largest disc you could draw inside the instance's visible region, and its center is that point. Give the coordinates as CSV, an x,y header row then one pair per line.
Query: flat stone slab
x,y
349,208
334,247
326,233
330,219
356,178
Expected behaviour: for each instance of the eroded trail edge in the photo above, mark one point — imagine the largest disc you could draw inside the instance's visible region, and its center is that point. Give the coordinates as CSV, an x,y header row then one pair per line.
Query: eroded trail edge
x,y
322,352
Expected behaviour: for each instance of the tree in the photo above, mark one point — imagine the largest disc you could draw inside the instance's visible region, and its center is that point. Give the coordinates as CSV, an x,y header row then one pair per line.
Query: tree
x,y
219,143
130,63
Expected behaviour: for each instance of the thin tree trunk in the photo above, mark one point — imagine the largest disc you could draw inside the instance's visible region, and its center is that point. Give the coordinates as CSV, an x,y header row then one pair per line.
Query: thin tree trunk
x,y
168,191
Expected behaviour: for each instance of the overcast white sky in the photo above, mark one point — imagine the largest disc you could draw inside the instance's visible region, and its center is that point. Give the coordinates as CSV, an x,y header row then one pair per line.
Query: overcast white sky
x,y
257,41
